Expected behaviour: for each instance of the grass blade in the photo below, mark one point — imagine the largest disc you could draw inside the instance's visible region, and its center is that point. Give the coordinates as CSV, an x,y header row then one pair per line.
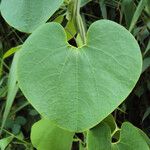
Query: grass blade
x,y
126,7
103,9
12,90
137,14
147,48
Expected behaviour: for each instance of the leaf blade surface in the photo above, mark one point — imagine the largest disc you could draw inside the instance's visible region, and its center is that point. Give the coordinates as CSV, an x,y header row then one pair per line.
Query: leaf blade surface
x,y
78,87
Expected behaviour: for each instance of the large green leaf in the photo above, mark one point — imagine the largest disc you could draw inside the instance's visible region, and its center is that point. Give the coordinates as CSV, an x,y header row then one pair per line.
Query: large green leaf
x,y
27,15
131,138
76,88
46,136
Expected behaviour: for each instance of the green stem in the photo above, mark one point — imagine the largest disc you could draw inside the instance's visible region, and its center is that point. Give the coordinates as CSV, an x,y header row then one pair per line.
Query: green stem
x,y
78,20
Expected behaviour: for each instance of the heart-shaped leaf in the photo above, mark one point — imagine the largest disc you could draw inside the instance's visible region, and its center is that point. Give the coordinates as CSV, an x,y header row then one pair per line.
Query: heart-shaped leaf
x,y
131,138
76,88
27,15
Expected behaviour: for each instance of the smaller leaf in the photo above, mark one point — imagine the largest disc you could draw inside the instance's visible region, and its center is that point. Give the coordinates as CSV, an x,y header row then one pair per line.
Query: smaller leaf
x,y
4,142
99,137
27,15
59,19
46,136
11,51
131,139
111,122
70,30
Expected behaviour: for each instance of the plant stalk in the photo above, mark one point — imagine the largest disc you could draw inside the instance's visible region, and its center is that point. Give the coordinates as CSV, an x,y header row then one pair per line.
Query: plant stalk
x,y
78,20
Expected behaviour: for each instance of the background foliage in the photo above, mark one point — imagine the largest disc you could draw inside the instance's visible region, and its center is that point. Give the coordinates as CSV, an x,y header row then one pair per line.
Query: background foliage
x,y
132,14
